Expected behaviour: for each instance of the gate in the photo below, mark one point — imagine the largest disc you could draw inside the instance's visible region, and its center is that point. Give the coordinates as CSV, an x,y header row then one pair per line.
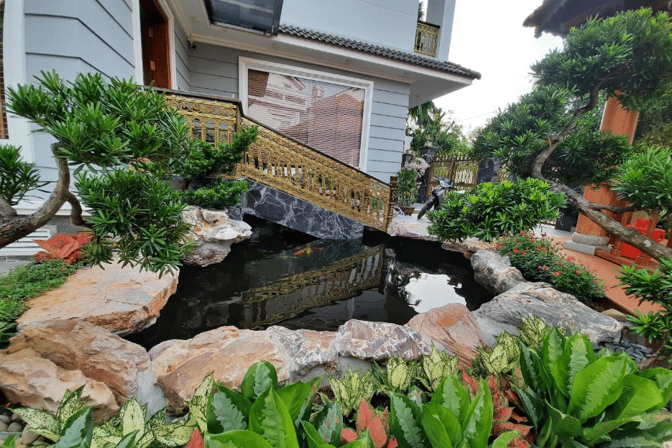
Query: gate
x,y
461,170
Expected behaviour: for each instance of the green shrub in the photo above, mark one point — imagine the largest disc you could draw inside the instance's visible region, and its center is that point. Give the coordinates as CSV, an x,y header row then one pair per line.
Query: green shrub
x,y
575,397
655,287
538,259
407,187
218,196
491,210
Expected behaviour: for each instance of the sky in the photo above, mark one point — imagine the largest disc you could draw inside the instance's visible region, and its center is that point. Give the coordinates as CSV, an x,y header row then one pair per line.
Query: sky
x,y
489,37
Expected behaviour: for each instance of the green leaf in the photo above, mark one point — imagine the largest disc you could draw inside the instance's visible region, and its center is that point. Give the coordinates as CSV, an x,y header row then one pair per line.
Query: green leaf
x,y
132,417
259,377
329,423
405,422
236,439
441,426
597,386
175,434
313,437
477,424
502,441
128,441
453,396
363,441
663,378
40,422
198,404
577,354
226,411
639,396
70,404
563,425
298,398
535,407
77,430
9,442
270,418
530,363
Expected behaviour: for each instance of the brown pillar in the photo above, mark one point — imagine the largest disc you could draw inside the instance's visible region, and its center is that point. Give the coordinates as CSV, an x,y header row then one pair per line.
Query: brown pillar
x,y
589,236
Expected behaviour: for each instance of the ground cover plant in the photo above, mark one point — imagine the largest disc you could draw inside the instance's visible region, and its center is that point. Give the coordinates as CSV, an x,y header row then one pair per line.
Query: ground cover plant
x,y
539,260
26,282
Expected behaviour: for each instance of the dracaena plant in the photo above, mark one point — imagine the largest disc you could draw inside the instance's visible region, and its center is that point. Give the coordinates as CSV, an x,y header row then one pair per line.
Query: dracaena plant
x,y
578,398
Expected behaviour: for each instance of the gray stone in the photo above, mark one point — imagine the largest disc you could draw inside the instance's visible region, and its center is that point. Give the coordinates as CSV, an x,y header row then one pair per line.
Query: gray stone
x,y
491,328
410,227
495,272
27,437
554,307
15,427
3,426
312,353
584,248
282,208
214,233
378,341
5,418
591,240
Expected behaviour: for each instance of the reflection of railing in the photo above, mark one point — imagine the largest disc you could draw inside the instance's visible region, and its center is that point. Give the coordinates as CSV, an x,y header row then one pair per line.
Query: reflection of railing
x,y
288,297
462,170
289,165
426,39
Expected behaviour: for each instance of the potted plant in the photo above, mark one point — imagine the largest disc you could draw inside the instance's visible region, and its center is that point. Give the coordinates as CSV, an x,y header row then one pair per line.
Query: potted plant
x,y
407,190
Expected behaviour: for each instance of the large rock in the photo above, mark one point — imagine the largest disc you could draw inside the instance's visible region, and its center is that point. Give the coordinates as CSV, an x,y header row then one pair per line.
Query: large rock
x,y
38,383
410,227
452,326
495,272
554,307
93,354
123,300
180,366
378,341
214,233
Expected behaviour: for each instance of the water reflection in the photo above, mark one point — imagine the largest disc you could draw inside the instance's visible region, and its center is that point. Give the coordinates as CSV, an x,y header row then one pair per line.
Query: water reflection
x,y
318,285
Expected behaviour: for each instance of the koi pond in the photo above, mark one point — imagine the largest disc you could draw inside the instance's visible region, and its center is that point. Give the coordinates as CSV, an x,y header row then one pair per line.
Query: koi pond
x,y
287,278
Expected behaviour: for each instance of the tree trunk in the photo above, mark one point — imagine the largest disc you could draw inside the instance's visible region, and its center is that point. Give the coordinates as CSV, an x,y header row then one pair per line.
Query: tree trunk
x,y
626,234
14,227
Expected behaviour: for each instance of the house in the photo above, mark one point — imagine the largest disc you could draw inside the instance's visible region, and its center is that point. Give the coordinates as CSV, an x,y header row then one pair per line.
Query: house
x,y
340,75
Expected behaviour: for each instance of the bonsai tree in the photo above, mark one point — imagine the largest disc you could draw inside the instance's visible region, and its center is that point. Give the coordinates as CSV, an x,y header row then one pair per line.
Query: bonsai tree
x,y
551,133
127,139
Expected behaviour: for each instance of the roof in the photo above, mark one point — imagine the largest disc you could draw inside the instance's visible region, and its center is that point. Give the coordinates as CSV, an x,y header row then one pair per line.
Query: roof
x,y
377,50
559,16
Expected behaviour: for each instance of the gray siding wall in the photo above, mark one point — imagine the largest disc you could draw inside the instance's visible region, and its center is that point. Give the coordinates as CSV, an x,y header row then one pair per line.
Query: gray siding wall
x,y
72,37
213,70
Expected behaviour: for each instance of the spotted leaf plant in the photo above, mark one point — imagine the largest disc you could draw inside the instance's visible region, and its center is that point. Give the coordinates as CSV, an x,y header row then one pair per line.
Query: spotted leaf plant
x,y
435,366
397,375
351,388
501,359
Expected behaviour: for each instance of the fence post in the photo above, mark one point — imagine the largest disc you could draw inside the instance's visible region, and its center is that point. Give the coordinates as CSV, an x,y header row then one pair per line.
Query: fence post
x,y
391,201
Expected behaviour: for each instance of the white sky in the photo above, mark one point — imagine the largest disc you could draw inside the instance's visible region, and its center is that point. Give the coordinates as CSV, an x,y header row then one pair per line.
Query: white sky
x,y
489,37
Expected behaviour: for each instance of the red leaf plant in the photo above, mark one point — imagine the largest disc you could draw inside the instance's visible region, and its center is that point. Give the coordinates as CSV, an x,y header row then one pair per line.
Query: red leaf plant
x,y
196,440
373,421
504,417
63,247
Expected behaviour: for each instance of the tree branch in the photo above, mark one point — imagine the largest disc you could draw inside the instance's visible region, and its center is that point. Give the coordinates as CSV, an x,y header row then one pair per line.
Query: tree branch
x,y
6,210
76,211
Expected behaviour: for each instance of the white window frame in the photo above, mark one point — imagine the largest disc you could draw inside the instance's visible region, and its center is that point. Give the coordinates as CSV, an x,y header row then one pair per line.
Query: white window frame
x,y
246,64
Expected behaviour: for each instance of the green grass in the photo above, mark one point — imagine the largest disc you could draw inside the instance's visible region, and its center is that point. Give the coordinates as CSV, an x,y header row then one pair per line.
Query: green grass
x,y
26,282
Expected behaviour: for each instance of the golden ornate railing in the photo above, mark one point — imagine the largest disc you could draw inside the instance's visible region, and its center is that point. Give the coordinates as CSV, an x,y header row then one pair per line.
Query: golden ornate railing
x,y
461,170
292,295
288,165
426,39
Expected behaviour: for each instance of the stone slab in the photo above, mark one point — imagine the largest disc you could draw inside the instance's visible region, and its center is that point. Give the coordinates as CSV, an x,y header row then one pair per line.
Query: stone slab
x,y
123,300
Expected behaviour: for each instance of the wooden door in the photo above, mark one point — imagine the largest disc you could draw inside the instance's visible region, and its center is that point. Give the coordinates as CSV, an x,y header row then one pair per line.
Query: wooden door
x,y
155,44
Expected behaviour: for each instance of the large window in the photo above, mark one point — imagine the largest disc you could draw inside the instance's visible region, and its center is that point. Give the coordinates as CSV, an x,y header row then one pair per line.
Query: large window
x,y
324,111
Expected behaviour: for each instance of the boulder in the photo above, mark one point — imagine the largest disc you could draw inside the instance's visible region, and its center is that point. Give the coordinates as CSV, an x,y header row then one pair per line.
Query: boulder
x,y
378,341
123,366
468,246
554,307
214,233
121,299
453,327
38,383
495,272
226,351
180,366
410,227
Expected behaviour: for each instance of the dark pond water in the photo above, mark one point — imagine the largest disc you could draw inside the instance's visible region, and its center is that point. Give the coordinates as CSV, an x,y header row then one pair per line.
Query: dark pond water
x,y
282,277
